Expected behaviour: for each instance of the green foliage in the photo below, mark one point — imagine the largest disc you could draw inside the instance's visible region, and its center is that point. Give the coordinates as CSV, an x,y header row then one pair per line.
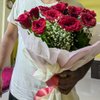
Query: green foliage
x,y
56,37
82,38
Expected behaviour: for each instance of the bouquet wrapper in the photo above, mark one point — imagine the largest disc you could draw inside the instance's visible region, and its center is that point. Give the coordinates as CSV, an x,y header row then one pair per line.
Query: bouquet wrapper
x,y
45,93
52,93
76,59
51,61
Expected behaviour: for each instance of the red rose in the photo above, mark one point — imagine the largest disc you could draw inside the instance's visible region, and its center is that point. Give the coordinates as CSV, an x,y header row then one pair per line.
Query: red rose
x,y
60,6
42,8
88,20
24,20
38,26
90,12
34,12
70,23
74,11
51,14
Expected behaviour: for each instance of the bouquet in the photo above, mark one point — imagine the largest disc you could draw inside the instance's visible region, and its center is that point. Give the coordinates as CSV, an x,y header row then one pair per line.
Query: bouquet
x,y
60,26
63,33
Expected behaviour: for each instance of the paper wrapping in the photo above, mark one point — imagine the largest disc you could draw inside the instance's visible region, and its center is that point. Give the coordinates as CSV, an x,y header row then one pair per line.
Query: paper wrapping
x,y
50,61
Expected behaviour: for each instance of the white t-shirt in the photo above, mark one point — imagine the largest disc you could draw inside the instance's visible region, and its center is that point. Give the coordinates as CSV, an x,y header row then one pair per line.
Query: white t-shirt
x,y
23,84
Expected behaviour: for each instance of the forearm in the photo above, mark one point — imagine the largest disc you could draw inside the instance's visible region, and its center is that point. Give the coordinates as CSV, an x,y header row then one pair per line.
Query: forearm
x,y
84,69
6,47
68,79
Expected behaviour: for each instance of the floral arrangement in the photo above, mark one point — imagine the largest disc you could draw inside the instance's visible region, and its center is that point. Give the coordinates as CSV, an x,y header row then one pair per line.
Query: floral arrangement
x,y
66,32
60,26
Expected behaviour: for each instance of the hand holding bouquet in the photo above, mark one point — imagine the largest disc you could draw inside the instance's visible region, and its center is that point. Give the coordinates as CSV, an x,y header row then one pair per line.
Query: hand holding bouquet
x,y
61,39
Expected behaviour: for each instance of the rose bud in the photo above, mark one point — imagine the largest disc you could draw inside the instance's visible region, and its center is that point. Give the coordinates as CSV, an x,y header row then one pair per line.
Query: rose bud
x,y
88,20
70,24
60,6
38,26
74,11
34,13
24,20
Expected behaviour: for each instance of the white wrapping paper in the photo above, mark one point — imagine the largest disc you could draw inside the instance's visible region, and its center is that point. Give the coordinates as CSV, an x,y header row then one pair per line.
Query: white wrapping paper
x,y
50,61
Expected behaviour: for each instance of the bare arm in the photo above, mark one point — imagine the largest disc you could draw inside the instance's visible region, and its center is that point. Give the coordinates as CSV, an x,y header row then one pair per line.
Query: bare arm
x,y
7,43
68,79
6,46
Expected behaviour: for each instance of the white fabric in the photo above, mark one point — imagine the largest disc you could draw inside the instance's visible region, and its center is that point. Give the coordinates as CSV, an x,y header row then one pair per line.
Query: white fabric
x,y
23,84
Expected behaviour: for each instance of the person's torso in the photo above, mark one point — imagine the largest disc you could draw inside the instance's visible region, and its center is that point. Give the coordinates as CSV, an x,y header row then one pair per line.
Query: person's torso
x,y
23,81
23,84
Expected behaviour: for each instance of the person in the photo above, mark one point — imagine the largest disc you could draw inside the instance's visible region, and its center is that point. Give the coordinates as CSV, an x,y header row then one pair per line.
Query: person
x,y
23,85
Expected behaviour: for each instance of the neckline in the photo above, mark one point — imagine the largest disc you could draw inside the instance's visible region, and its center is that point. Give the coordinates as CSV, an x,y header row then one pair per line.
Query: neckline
x,y
45,4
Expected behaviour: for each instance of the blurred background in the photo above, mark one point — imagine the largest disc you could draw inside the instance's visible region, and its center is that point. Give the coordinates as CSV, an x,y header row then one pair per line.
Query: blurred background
x,y
89,87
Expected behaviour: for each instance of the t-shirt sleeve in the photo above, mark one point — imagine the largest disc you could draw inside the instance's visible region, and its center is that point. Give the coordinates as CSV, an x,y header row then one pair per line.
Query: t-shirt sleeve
x,y
14,13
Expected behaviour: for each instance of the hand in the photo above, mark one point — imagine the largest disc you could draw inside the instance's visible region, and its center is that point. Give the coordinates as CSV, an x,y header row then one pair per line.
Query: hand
x,y
68,79
0,84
